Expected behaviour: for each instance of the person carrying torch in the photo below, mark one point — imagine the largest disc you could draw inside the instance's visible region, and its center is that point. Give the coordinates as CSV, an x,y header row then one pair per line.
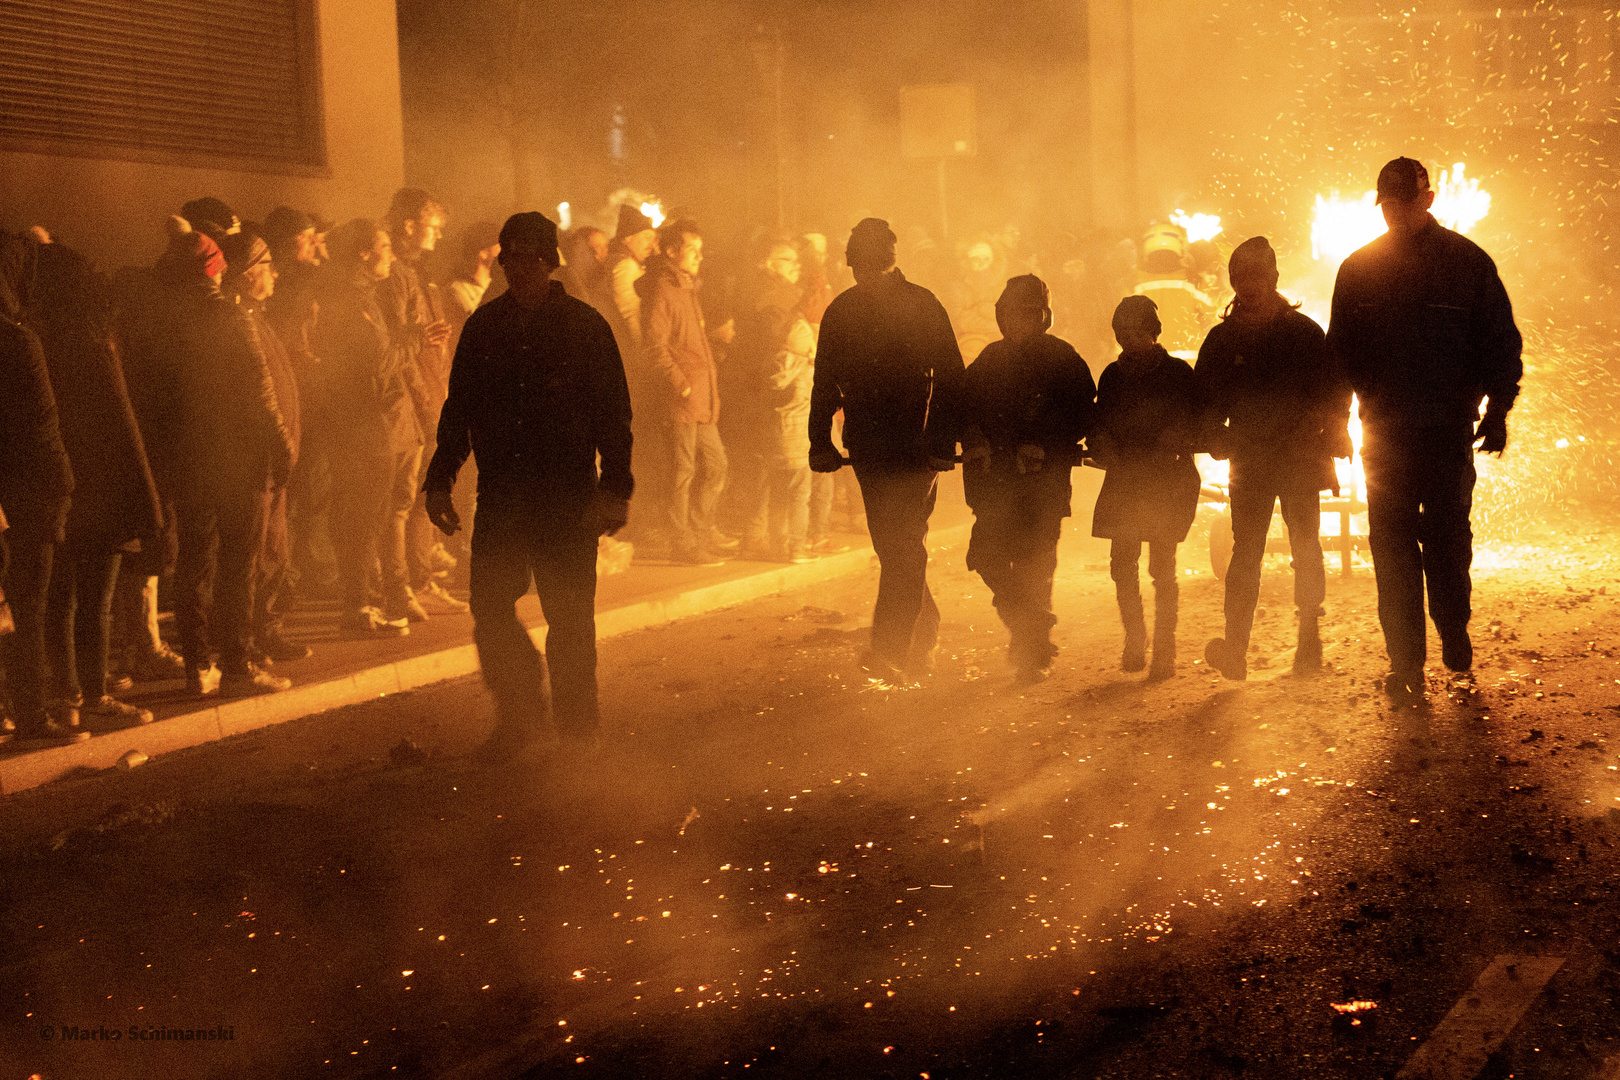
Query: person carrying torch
x,y
1278,408
1425,332
1024,406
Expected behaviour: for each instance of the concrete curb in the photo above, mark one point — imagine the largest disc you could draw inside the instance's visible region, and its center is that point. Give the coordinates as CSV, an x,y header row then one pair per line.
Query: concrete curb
x,y
212,722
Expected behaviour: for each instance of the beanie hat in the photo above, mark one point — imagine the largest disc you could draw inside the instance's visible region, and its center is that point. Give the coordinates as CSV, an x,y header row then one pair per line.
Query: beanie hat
x,y
871,234
1137,313
526,232
1256,253
1025,290
631,221
243,251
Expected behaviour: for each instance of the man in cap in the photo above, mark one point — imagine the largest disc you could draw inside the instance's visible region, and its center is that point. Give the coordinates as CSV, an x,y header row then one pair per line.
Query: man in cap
x,y
537,394
1024,405
886,353
1425,332
1278,409
212,216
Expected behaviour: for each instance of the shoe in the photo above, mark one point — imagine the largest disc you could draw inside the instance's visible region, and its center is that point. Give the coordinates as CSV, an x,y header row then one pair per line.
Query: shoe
x,y
202,681
48,732
1225,659
1405,686
120,684
723,544
250,681
65,711
157,665
798,553
881,667
827,546
370,622
279,650
407,607
1162,668
695,557
441,561
439,597
1308,654
1134,658
110,714
1456,649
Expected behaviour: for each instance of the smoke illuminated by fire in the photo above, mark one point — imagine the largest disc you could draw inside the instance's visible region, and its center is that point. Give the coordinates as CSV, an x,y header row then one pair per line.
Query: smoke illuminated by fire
x,y
1341,225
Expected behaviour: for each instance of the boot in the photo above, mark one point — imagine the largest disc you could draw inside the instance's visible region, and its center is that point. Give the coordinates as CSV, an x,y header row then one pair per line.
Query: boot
x,y
1308,655
1129,596
1226,658
1166,602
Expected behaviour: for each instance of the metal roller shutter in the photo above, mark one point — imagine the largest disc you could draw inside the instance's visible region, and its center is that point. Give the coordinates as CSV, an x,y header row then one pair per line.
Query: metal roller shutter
x,y
218,79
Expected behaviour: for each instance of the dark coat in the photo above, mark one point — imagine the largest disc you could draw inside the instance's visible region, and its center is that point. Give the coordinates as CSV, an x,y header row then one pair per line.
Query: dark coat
x,y
537,396
366,373
1039,393
676,342
283,377
772,362
885,353
114,500
410,304
1424,330
1273,397
36,479
1147,417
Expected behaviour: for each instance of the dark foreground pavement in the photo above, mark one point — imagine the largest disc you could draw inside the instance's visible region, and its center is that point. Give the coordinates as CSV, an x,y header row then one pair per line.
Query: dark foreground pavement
x,y
773,867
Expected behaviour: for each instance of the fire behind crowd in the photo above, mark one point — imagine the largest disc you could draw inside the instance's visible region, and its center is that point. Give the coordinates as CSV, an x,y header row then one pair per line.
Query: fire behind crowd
x,y
852,358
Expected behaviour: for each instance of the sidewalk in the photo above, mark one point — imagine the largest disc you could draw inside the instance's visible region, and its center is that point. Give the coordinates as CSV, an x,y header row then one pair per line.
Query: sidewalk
x,y
344,671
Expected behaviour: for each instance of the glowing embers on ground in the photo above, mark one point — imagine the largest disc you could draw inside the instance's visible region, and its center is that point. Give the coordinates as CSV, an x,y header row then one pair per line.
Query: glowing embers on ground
x,y
1341,225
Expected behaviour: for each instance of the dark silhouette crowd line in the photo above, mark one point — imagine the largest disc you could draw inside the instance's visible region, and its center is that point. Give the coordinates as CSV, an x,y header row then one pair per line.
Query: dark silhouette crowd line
x,y
278,412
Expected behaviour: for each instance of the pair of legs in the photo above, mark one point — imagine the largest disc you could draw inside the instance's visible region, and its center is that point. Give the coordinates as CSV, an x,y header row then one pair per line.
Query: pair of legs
x,y
779,519
78,619
27,585
698,475
369,511
508,552
1420,490
1123,557
1014,549
221,537
905,620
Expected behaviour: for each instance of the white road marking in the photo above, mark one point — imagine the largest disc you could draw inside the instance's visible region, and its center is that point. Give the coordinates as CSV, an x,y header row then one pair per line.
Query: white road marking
x,y
1479,1023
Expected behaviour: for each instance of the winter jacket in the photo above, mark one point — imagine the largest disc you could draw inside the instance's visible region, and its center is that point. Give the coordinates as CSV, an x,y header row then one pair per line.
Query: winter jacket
x,y
1273,397
366,372
886,356
675,342
538,397
1038,393
410,305
1147,418
1424,330
279,365
36,479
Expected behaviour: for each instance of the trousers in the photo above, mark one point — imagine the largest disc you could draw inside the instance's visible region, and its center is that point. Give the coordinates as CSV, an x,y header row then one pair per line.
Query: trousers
x,y
221,536
78,619
1420,490
905,619
370,506
698,475
508,553
1255,494
1014,549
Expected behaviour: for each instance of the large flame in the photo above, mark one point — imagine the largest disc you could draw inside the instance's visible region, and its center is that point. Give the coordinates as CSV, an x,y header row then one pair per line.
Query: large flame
x,y
1343,225
1197,226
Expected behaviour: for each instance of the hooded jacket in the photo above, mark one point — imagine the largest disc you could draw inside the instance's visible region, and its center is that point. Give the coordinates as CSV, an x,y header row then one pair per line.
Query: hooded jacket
x,y
676,342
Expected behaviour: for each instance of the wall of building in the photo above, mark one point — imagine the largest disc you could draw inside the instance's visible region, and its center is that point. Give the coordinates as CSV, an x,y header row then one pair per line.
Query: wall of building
x,y
115,210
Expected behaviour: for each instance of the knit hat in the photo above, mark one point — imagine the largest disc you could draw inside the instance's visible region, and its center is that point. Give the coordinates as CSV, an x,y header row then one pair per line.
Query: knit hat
x,y
1254,253
871,235
631,221
1137,313
243,251
530,233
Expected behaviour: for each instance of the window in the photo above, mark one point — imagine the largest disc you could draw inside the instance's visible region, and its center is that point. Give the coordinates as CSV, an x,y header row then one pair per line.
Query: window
x,y
227,83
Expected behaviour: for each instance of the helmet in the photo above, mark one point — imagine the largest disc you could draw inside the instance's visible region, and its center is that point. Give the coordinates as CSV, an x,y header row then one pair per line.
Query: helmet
x,y
1164,248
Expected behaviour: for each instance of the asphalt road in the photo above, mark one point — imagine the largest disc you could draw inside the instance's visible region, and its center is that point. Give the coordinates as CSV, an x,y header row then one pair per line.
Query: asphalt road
x,y
774,867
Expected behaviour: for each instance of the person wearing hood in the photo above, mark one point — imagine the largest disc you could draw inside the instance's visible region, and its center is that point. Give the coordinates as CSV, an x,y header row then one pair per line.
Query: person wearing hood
x,y
537,394
115,503
36,489
233,449
1024,406
1147,420
888,358
675,343
1278,409
368,382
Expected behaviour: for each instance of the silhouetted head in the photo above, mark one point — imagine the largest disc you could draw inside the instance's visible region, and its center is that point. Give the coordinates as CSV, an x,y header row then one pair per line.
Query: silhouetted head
x,y
292,233
1404,196
210,215
249,269
1253,270
1024,310
1136,324
636,232
528,244
870,252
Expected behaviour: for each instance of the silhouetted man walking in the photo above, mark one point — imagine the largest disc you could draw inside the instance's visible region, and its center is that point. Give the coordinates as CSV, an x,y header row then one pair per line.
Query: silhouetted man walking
x,y
886,349
537,393
1425,331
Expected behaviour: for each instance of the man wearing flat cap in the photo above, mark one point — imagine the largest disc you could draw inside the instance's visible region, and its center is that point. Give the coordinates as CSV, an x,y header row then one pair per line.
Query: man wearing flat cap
x,y
537,394
886,356
1425,333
